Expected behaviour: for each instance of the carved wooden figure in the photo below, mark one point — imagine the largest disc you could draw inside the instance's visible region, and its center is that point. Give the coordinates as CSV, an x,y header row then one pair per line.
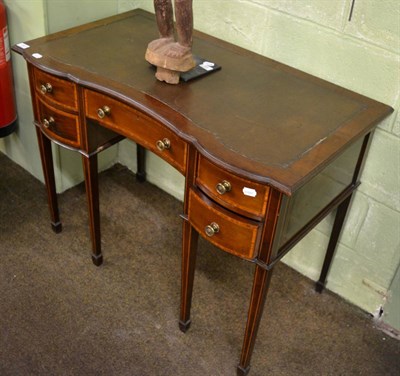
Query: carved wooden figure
x,y
172,57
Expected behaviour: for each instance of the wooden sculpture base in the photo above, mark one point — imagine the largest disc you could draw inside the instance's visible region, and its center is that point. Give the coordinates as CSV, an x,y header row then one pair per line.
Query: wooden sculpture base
x,y
167,75
170,58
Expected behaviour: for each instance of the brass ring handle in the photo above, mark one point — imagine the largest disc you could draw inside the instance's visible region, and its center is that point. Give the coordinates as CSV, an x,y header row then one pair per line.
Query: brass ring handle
x,y
104,111
212,229
48,122
163,144
223,187
46,88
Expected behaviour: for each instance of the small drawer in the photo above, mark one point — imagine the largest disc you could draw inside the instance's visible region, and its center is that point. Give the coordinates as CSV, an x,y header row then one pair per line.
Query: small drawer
x,y
224,229
56,90
235,193
58,125
137,126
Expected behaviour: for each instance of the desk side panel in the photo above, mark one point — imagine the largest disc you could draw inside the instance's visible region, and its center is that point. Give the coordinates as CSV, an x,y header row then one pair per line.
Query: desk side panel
x,y
305,204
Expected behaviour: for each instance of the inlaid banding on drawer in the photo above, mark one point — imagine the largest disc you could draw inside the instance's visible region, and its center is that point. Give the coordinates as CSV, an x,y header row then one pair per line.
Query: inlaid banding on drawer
x,y
235,193
56,90
137,126
230,232
58,125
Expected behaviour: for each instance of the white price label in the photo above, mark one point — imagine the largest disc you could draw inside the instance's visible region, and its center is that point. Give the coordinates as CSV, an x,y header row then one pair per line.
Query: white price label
x,y
24,46
249,192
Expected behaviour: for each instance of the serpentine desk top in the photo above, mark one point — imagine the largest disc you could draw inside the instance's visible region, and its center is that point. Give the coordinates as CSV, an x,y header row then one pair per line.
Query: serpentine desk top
x,y
255,117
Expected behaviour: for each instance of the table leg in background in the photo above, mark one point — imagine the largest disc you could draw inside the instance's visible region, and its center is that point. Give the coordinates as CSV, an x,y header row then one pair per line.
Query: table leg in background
x,y
48,172
330,251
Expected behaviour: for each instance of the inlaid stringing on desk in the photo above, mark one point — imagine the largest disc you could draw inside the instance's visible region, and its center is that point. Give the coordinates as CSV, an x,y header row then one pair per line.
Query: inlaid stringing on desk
x,y
267,151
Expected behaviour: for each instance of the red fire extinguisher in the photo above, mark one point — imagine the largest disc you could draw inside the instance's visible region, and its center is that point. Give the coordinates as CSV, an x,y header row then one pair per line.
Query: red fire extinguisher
x,y
8,115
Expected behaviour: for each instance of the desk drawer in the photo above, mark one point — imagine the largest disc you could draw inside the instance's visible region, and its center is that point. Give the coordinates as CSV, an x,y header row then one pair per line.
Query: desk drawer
x,y
224,229
235,193
54,90
137,126
58,125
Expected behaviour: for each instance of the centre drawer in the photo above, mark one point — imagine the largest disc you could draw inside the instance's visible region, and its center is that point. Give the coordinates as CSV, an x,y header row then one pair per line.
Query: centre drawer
x,y
228,231
137,126
232,191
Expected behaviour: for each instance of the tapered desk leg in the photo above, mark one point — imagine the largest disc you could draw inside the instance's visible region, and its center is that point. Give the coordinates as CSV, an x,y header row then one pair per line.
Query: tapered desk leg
x,y
261,284
330,251
189,251
92,194
141,166
48,172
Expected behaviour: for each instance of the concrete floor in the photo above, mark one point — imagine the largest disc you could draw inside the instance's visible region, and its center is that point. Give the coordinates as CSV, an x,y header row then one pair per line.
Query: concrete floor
x,y
61,315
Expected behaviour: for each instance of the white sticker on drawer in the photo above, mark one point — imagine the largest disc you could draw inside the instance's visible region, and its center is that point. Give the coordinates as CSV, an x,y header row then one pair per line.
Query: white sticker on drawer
x,y
37,55
249,192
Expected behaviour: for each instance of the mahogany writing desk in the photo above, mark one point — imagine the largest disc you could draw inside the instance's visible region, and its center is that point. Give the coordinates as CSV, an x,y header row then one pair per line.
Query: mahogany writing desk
x,y
267,151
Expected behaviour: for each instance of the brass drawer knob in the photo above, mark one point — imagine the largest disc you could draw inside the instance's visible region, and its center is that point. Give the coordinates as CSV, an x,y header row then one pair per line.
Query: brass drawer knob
x,y
104,111
48,122
223,187
46,88
212,229
163,144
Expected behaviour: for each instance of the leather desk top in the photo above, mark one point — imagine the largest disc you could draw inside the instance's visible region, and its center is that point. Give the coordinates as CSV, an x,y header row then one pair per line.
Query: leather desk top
x,y
255,117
